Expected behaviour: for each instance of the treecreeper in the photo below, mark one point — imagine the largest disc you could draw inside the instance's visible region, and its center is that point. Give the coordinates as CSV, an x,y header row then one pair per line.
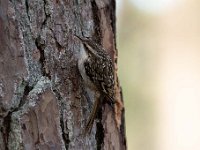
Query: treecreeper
x,y
97,70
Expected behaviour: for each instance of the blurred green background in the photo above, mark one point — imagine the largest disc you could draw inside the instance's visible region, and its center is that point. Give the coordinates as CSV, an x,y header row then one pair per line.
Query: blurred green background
x,y
159,70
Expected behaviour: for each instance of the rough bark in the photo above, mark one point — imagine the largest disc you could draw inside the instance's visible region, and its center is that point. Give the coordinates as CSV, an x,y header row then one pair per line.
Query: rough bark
x,y
42,101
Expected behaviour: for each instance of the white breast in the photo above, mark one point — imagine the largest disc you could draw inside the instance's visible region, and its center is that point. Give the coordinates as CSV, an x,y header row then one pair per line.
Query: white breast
x,y
82,58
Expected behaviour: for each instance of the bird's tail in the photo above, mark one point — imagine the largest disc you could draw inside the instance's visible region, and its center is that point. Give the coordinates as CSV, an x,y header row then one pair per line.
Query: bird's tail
x,y
92,116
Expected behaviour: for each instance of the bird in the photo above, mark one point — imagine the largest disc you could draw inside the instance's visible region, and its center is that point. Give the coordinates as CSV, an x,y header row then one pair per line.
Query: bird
x,y
97,71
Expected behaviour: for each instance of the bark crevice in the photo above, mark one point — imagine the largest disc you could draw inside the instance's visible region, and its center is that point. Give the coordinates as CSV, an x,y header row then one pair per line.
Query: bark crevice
x,y
21,94
96,18
27,89
5,129
100,131
27,9
41,46
63,124
47,15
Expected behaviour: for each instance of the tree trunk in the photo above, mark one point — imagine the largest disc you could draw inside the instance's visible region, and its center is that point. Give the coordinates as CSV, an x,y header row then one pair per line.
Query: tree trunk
x,y
42,100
